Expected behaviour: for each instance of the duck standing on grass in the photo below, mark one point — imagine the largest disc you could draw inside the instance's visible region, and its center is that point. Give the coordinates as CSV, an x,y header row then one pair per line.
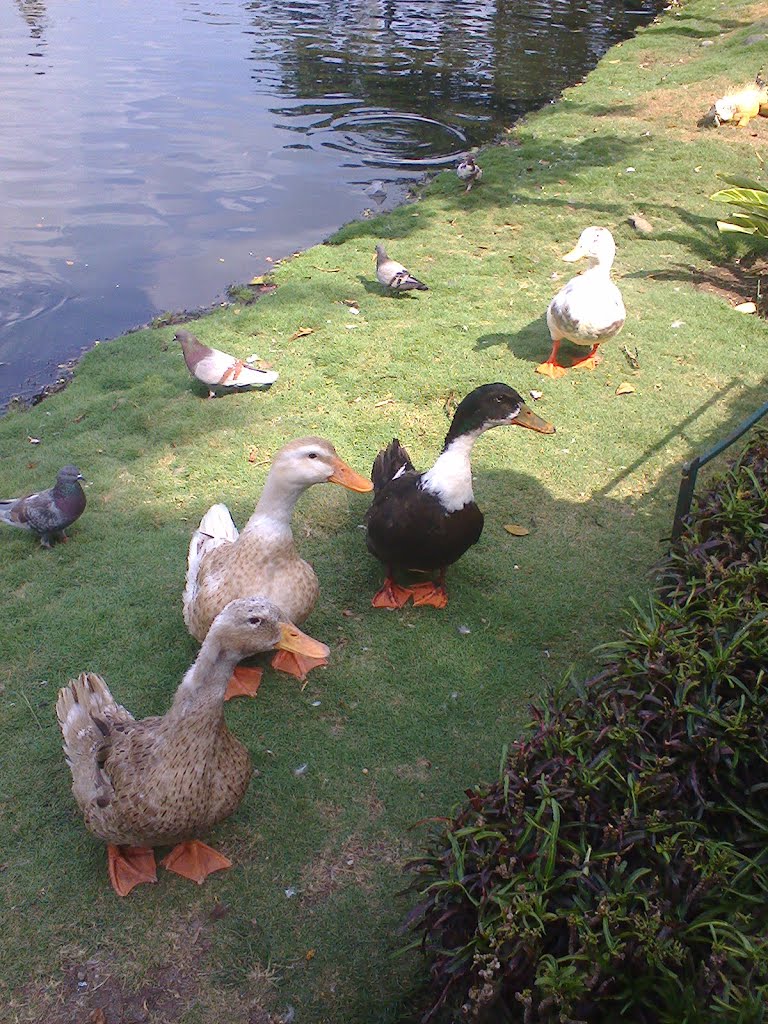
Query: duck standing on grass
x,y
223,564
426,521
163,780
589,309
469,170
218,370
393,275
48,513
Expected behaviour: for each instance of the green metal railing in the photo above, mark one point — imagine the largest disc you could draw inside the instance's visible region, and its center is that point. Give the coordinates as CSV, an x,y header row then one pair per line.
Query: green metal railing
x,y
691,470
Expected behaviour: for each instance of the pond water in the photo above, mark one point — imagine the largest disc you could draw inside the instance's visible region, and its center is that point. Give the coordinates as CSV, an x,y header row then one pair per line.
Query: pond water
x,y
154,153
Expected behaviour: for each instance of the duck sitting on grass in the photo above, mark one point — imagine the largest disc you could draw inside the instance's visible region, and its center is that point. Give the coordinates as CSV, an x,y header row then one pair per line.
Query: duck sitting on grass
x,y
589,309
426,521
163,780
223,564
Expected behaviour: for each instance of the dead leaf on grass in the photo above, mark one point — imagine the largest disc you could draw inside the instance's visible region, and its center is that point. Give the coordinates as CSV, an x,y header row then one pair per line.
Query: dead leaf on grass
x,y
516,531
625,389
302,333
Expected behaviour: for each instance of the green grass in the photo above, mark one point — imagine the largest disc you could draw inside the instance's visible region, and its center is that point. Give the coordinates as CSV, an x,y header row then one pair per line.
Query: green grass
x,y
422,707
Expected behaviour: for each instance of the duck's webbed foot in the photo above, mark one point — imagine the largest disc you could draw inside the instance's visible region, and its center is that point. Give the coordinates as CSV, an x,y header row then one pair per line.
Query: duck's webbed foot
x,y
244,682
430,593
195,860
129,866
391,595
551,367
297,665
589,361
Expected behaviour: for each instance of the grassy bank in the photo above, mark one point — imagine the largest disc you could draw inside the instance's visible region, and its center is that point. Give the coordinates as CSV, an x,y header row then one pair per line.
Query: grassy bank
x,y
411,711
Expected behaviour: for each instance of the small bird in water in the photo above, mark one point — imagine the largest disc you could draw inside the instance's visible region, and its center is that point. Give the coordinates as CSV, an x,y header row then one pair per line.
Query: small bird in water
x,y
219,371
469,170
393,275
50,512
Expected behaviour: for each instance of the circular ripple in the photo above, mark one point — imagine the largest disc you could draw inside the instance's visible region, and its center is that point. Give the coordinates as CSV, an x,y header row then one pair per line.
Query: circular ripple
x,y
394,138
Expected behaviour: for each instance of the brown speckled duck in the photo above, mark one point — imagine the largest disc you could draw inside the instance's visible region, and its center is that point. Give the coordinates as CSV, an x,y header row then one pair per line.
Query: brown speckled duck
x,y
163,780
223,564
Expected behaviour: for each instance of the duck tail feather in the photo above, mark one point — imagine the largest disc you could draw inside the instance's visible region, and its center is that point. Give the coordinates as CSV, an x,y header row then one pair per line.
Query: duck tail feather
x,y
216,528
393,461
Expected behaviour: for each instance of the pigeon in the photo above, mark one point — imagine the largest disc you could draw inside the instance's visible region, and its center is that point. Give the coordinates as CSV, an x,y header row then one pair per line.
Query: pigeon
x,y
48,513
217,370
469,171
393,275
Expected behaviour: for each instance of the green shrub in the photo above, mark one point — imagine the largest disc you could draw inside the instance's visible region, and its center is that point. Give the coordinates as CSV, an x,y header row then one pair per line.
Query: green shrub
x,y
618,868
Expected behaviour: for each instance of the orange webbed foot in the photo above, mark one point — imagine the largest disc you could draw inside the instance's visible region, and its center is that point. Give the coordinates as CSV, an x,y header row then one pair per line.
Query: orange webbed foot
x,y
391,595
129,866
195,861
589,361
296,665
553,370
244,682
433,594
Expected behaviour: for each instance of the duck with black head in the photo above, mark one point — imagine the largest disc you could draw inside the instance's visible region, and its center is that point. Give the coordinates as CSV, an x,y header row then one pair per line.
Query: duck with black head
x,y
426,521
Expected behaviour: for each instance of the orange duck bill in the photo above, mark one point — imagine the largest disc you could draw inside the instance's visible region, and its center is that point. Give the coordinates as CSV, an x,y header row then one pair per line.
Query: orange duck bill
x,y
297,653
347,477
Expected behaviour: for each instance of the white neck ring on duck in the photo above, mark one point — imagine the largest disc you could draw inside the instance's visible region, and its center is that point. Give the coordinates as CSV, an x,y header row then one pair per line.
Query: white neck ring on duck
x,y
450,479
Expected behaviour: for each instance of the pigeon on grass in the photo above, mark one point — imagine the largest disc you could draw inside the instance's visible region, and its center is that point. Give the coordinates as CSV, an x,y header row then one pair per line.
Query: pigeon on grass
x,y
219,371
50,512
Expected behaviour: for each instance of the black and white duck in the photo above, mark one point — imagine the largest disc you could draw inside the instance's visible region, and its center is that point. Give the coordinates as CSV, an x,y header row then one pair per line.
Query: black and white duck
x,y
426,521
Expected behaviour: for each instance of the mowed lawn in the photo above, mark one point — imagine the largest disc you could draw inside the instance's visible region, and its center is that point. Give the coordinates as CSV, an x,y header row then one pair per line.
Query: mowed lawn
x,y
412,708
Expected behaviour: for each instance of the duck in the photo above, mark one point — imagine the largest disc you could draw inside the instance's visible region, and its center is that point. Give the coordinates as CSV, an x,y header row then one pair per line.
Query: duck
x,y
426,521
394,275
589,309
162,781
219,371
224,564
48,513
469,170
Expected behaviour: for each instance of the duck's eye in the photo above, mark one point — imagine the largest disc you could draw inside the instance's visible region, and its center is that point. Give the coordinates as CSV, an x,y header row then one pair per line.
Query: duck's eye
x,y
499,398
312,455
255,620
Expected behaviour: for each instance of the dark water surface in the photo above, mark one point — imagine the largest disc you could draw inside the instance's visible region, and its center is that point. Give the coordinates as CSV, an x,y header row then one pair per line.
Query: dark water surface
x,y
153,153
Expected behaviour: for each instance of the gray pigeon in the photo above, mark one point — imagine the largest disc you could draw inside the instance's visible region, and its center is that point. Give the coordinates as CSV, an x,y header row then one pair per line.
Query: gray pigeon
x,y
48,513
393,275
219,371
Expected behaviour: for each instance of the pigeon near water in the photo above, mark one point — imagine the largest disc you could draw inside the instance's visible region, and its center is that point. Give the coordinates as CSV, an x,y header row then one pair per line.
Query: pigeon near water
x,y
219,371
469,170
50,512
393,275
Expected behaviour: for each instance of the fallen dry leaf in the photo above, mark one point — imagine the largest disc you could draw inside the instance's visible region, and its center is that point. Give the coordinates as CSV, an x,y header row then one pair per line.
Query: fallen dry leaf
x,y
309,955
625,389
746,307
302,333
516,531
34,440
252,455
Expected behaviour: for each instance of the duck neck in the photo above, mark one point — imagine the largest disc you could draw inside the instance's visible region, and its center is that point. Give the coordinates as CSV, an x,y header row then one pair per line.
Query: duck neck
x,y
205,682
450,479
277,502
599,267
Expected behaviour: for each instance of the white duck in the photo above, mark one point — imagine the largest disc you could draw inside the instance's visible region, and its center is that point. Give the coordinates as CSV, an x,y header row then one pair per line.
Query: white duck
x,y
589,309
224,565
469,170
